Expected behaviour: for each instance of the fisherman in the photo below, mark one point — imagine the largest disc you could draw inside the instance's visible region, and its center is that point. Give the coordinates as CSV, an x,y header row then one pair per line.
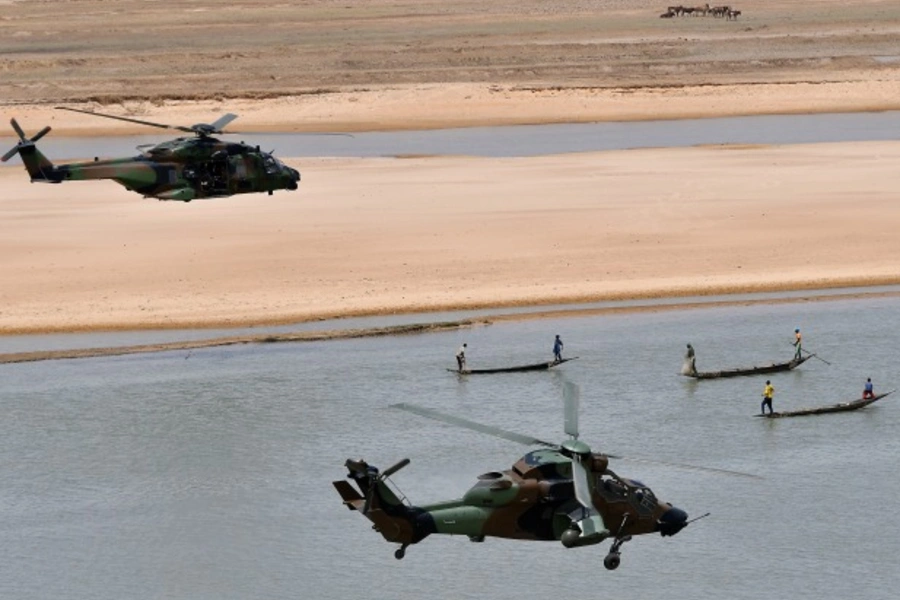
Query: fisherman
x,y
461,357
798,344
690,362
557,349
869,391
768,394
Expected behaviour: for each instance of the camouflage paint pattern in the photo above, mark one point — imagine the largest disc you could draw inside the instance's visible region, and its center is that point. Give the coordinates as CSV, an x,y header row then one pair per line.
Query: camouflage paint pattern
x,y
535,500
182,169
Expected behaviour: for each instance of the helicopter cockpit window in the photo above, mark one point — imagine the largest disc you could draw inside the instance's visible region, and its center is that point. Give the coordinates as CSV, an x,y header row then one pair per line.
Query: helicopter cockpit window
x,y
271,165
611,488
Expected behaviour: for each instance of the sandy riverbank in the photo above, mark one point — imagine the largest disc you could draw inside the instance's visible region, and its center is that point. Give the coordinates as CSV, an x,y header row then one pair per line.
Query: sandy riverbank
x,y
424,233
370,236
423,106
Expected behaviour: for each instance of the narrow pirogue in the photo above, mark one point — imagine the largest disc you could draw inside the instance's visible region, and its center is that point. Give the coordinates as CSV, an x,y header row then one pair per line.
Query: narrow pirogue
x,y
541,366
833,408
773,368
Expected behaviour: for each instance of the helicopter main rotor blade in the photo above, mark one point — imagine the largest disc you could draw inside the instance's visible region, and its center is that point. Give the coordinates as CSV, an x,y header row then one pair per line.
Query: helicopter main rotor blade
x,y
667,463
128,119
222,121
460,422
429,413
571,402
582,484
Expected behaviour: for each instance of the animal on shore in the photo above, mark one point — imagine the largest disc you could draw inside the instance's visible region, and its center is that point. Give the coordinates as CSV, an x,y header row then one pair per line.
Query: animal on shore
x,y
703,11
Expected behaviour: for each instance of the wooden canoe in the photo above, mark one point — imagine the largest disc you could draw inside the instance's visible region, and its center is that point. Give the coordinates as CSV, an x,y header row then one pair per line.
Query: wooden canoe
x,y
773,368
823,410
542,366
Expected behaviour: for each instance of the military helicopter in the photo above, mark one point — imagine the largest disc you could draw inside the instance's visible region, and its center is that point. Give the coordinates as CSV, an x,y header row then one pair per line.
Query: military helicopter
x,y
185,169
561,492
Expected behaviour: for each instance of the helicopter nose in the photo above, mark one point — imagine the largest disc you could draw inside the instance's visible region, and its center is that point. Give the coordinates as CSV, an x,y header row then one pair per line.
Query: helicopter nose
x,y
672,521
293,176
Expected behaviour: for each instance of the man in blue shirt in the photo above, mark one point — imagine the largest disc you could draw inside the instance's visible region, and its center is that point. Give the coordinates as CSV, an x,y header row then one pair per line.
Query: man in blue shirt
x,y
869,391
557,349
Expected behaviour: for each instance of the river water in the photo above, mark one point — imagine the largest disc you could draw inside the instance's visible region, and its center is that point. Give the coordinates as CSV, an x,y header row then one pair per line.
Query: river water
x,y
533,140
208,474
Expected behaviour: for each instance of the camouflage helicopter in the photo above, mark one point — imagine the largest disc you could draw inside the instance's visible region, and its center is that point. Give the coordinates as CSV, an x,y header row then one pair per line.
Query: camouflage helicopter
x,y
562,492
184,169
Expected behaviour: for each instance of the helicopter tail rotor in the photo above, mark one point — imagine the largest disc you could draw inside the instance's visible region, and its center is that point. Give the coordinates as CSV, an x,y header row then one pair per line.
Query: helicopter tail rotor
x,y
24,142
377,480
39,167
376,495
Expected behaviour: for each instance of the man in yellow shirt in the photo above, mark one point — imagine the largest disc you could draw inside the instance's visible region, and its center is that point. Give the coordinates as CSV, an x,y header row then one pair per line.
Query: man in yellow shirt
x,y
768,394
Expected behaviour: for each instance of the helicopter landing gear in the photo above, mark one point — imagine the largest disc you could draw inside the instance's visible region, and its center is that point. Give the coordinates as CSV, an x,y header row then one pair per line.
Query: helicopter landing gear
x,y
614,557
400,552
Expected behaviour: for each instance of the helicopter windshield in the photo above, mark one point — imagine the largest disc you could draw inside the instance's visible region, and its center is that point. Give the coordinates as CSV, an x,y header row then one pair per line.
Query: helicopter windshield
x,y
272,164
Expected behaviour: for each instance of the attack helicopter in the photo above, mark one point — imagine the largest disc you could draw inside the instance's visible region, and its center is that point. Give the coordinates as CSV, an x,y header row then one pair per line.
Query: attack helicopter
x,y
561,492
183,169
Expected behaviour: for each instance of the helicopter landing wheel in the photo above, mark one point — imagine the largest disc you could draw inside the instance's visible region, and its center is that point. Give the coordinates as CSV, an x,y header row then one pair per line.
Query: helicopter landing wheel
x,y
400,552
612,561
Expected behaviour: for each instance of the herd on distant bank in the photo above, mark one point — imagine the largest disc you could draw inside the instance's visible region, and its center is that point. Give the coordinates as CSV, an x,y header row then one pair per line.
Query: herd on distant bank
x,y
701,11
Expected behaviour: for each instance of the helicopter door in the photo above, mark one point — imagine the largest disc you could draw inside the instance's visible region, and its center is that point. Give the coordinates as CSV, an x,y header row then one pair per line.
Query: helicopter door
x,y
238,173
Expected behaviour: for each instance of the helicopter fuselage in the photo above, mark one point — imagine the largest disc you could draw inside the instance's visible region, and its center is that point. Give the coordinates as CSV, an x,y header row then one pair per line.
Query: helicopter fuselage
x,y
535,500
184,168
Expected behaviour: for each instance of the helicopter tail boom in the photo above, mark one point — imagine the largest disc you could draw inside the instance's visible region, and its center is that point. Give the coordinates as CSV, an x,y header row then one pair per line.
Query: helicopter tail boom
x,y
395,520
39,166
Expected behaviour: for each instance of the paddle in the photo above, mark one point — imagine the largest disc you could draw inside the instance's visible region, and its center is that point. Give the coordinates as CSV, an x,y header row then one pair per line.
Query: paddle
x,y
814,356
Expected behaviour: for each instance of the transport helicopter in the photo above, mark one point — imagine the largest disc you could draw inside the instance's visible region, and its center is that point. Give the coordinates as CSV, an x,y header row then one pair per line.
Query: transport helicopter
x,y
184,169
562,492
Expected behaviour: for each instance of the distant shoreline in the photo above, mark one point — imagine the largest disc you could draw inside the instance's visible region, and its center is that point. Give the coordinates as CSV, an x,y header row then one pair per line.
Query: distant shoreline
x,y
459,105
415,328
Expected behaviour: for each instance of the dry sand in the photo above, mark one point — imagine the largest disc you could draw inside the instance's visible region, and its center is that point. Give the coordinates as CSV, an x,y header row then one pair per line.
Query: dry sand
x,y
372,236
367,236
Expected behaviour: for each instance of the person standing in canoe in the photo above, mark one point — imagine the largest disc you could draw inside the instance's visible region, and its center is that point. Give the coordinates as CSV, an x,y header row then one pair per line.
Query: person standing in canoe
x,y
461,357
798,344
768,394
868,391
557,349
690,362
